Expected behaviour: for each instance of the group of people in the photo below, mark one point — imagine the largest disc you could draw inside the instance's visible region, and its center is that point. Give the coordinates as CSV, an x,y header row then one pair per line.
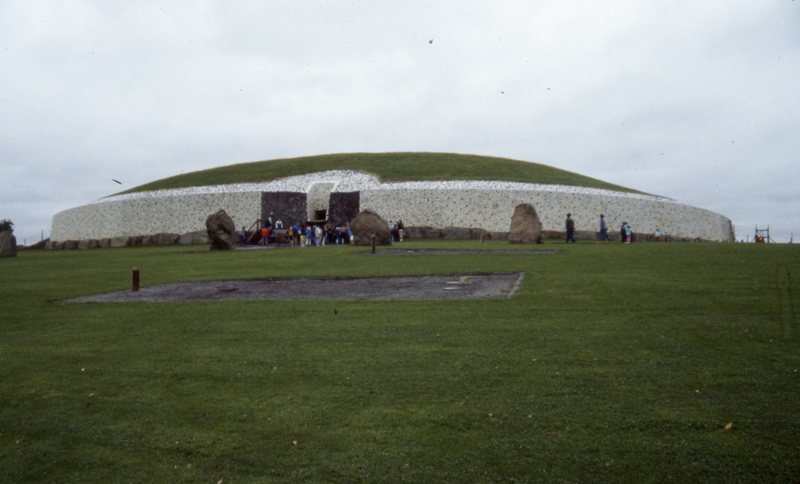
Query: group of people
x,y
306,235
297,235
319,235
626,233
397,230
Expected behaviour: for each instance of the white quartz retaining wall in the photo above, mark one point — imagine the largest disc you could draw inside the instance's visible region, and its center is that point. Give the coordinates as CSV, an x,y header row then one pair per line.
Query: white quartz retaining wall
x,y
169,213
474,204
492,210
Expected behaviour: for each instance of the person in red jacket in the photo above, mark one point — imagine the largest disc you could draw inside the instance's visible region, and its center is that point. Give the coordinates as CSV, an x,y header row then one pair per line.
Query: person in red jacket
x,y
264,236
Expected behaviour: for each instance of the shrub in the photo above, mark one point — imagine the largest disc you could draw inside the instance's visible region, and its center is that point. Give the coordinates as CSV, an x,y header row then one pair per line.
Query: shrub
x,y
6,224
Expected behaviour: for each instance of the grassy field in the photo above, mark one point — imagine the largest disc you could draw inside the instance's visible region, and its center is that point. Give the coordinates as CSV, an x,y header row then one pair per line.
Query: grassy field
x,y
388,167
611,363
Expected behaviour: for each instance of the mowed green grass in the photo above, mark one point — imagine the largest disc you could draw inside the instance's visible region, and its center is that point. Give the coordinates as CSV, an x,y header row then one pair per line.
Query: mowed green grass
x,y
612,362
389,167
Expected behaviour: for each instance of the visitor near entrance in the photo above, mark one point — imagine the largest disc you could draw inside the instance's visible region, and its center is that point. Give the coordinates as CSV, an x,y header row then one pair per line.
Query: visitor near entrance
x,y
264,241
319,240
570,229
603,235
309,236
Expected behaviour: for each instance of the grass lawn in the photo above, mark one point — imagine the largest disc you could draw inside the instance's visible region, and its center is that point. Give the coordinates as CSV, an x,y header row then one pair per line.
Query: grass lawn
x,y
621,363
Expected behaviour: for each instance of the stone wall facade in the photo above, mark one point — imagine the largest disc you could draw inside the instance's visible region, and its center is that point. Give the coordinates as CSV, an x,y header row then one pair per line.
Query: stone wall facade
x,y
484,205
288,207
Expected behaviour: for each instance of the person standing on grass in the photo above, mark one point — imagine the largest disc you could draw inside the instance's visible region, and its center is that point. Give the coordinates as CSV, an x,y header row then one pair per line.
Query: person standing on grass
x,y
318,236
570,228
264,236
628,234
603,228
309,236
623,232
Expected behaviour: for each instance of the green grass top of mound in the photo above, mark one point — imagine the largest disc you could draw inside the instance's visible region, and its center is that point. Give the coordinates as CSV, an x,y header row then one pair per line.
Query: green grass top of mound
x,y
389,167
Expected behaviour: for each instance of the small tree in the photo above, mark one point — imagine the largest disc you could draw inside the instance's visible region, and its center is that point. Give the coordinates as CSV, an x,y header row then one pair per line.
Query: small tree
x,y
6,225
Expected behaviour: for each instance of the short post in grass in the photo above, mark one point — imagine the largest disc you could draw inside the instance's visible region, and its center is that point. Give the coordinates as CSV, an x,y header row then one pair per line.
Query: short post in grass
x,y
135,279
372,240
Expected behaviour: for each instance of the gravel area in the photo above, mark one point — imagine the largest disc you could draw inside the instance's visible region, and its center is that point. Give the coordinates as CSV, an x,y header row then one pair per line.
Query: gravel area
x,y
462,252
432,287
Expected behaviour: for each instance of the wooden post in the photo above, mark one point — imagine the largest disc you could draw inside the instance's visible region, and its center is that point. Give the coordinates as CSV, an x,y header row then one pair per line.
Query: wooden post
x,y
135,279
372,239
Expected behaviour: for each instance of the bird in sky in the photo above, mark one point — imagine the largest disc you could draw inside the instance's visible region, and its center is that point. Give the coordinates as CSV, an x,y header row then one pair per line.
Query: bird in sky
x,y
430,41
116,181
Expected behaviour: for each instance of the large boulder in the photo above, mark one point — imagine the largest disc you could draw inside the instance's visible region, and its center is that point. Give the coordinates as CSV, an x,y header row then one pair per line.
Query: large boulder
x,y
8,244
367,224
526,228
221,231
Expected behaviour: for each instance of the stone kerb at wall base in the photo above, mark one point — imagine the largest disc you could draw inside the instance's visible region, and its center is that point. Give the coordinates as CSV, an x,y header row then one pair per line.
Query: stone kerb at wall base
x,y
189,238
164,239
453,233
193,238
587,235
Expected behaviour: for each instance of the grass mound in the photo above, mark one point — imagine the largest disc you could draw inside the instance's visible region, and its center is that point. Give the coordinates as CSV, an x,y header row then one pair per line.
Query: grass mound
x,y
388,167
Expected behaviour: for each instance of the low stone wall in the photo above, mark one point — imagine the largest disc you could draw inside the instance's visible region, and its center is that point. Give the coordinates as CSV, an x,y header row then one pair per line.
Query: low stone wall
x,y
189,238
472,206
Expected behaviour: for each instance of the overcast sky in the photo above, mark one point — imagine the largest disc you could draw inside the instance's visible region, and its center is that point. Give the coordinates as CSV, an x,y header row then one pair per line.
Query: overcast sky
x,y
696,100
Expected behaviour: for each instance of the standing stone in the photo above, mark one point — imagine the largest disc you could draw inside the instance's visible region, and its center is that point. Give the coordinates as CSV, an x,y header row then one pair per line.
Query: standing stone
x,y
221,231
368,223
526,228
8,244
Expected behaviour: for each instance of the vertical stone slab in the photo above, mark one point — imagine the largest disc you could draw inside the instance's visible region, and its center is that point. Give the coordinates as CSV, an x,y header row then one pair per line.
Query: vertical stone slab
x,y
344,206
289,207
